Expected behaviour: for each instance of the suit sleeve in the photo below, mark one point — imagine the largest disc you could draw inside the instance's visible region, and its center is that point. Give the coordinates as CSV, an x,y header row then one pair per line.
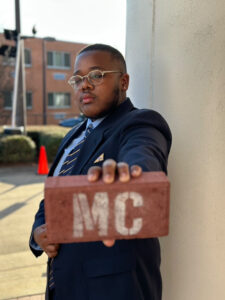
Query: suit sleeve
x,y
145,141
38,221
40,215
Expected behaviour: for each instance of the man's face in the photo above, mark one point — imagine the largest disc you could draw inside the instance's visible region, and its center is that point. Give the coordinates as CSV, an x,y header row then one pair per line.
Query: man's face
x,y
97,101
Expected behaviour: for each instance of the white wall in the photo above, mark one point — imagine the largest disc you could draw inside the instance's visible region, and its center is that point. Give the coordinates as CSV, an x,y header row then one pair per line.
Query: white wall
x,y
178,46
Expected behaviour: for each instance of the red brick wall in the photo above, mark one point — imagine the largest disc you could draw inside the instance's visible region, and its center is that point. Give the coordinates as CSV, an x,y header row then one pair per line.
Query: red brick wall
x,y
34,81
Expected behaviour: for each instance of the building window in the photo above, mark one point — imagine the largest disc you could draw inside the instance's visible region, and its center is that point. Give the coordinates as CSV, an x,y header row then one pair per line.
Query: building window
x,y
11,61
29,100
59,60
58,100
8,97
27,57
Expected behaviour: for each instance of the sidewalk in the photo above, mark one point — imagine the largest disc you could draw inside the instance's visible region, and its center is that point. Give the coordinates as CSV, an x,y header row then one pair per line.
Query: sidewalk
x,y
34,297
21,274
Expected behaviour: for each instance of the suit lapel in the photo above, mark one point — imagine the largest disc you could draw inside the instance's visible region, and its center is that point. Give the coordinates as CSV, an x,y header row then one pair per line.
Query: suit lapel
x,y
96,137
75,132
88,149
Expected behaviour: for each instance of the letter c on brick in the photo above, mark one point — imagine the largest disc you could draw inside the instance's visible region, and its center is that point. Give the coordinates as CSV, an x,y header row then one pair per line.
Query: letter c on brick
x,y
120,213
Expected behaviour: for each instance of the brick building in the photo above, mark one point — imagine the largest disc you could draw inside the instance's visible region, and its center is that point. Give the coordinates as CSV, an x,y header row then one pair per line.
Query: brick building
x,y
48,66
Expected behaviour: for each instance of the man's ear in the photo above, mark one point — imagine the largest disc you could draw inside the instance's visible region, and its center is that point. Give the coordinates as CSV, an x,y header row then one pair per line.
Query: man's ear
x,y
124,81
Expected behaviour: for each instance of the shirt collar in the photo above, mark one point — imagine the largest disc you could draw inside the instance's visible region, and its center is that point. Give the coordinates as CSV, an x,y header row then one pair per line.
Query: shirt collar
x,y
94,123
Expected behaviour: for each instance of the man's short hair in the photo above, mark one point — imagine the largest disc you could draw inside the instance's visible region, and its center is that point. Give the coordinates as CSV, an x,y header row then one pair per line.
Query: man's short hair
x,y
106,48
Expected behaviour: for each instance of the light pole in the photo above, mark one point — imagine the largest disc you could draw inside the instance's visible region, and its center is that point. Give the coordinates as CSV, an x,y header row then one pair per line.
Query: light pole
x,y
19,92
17,14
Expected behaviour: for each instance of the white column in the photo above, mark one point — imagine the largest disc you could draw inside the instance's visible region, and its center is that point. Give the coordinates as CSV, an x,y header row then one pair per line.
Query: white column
x,y
139,51
180,45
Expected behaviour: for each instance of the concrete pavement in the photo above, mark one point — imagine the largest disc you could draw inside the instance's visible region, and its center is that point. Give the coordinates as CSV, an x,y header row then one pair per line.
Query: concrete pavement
x,y
21,274
32,297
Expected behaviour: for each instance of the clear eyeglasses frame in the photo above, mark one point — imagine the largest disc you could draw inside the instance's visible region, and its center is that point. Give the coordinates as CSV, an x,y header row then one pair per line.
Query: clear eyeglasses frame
x,y
94,77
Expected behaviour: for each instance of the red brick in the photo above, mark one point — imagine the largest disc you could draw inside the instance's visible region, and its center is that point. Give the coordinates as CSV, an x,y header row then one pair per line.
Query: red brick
x,y
151,194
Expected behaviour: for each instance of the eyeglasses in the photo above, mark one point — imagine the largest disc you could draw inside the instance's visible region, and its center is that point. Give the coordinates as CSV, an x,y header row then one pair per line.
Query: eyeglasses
x,y
94,77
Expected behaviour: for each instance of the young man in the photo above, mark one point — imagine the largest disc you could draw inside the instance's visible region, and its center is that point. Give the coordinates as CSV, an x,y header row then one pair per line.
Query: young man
x,y
128,140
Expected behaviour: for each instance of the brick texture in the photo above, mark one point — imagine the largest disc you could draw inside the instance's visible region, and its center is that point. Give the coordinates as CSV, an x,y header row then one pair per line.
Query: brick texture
x,y
34,80
77,210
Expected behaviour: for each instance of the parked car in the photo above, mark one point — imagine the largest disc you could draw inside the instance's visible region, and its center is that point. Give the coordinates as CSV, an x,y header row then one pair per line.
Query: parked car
x,y
72,121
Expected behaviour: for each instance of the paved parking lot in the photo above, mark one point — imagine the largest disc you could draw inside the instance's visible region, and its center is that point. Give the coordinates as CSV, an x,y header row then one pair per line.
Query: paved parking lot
x,y
21,274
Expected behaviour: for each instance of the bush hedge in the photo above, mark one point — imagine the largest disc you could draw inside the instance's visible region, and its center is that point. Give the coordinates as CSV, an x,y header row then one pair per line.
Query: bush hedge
x,y
51,141
35,136
17,148
48,136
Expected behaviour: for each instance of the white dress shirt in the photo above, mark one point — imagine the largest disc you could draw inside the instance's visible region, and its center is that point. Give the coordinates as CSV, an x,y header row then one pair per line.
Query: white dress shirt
x,y
74,143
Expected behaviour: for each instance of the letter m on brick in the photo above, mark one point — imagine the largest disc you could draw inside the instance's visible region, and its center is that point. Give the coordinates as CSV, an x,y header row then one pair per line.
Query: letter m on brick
x,y
87,217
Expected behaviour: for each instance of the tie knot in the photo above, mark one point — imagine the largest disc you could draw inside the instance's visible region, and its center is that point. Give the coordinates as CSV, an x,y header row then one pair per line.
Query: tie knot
x,y
89,130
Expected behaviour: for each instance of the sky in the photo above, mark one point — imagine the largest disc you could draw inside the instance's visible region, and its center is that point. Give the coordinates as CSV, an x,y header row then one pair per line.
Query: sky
x,y
85,21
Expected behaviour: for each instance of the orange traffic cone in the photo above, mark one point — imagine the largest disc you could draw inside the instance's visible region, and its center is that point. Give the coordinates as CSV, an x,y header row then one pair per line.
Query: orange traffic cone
x,y
42,162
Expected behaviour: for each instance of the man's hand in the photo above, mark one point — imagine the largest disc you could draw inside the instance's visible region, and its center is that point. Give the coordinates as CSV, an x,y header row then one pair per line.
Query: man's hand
x,y
40,237
108,174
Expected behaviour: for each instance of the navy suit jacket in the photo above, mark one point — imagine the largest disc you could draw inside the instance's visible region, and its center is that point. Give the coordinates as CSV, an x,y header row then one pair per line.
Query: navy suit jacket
x,y
131,268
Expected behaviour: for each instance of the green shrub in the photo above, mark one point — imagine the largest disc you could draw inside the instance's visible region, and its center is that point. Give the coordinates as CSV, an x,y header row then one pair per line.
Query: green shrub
x,y
43,135
49,136
35,136
17,148
51,141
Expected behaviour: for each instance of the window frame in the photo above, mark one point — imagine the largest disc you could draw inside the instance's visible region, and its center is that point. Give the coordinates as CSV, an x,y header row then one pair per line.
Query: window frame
x,y
31,94
62,55
10,95
54,95
10,107
11,61
27,64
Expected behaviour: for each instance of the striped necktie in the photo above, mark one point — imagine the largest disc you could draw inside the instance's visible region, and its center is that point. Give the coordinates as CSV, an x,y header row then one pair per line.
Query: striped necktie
x,y
73,155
